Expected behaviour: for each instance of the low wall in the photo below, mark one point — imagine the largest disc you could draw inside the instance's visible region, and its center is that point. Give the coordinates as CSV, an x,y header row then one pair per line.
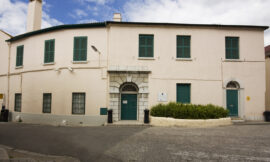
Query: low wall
x,y
162,121
69,120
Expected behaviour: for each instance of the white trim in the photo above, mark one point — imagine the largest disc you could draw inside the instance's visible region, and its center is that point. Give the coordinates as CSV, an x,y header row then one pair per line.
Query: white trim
x,y
183,59
146,58
233,60
49,63
19,67
79,62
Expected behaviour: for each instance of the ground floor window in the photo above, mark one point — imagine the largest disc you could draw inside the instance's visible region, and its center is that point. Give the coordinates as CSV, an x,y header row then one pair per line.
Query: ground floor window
x,y
78,103
18,102
183,93
47,101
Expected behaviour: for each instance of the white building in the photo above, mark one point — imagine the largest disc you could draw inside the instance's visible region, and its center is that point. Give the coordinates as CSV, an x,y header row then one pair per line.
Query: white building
x,y
76,72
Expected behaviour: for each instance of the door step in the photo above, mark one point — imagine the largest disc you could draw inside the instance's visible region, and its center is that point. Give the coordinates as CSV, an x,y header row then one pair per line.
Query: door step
x,y
127,123
237,120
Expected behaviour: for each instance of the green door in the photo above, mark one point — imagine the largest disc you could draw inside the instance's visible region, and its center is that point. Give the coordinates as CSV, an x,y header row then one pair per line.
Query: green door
x,y
183,93
129,107
232,102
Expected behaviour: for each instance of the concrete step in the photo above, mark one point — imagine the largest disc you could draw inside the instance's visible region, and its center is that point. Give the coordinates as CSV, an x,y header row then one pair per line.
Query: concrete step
x,y
3,155
237,120
127,123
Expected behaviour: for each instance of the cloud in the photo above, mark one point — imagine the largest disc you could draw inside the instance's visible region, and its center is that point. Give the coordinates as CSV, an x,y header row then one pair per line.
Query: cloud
x,y
241,12
13,16
79,13
99,2
86,21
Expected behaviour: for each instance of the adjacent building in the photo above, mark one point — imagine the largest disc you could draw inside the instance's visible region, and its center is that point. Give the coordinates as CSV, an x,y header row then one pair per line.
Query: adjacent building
x,y
267,65
74,73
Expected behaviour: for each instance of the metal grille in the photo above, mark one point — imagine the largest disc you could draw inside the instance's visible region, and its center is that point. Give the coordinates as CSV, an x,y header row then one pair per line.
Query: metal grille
x,y
78,103
18,101
47,100
233,85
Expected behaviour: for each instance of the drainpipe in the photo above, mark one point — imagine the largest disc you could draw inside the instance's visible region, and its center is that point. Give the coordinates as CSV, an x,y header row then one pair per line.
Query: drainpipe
x,y
8,75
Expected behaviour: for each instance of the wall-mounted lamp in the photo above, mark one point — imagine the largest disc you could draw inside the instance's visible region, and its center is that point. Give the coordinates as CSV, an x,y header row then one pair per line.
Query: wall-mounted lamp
x,y
96,50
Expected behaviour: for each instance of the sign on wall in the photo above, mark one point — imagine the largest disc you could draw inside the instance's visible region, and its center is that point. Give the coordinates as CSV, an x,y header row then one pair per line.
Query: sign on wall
x,y
162,97
1,96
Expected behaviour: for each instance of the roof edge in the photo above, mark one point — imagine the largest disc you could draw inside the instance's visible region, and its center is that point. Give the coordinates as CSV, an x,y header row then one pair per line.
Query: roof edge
x,y
6,33
55,28
106,23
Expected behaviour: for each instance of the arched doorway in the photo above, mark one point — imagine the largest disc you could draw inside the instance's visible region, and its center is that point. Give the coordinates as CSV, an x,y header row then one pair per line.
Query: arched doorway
x,y
129,92
232,102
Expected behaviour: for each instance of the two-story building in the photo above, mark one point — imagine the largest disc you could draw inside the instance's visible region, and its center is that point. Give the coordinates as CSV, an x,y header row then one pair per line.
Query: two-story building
x,y
74,73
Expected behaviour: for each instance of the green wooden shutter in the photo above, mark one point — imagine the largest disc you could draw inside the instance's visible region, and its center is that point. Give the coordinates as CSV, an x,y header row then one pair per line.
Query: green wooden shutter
x,y
183,46
146,45
232,47
19,56
183,93
80,49
49,51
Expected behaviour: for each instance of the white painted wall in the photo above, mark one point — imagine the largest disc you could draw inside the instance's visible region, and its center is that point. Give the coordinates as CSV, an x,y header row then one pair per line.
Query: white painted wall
x,y
207,71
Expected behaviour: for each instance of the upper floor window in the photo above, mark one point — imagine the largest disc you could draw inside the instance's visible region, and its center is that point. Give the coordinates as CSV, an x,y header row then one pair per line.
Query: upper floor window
x,y
80,49
19,56
49,51
183,46
146,45
232,48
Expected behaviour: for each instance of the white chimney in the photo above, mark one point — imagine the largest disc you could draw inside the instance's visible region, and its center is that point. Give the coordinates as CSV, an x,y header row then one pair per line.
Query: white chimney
x,y
34,15
117,17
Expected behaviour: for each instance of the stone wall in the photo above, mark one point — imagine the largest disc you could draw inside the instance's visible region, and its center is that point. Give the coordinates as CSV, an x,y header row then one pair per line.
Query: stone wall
x,y
119,78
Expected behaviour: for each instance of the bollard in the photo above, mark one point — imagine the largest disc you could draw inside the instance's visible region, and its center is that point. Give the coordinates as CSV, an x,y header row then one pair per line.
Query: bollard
x,y
146,116
110,116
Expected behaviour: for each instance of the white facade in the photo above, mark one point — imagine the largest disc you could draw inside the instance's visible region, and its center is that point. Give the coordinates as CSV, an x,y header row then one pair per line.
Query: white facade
x,y
117,62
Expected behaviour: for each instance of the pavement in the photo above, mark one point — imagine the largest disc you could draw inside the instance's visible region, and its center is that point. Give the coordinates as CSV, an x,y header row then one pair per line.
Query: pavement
x,y
239,142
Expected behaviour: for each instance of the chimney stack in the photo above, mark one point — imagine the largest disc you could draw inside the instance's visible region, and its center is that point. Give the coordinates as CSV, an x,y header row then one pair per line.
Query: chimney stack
x,y
117,17
34,15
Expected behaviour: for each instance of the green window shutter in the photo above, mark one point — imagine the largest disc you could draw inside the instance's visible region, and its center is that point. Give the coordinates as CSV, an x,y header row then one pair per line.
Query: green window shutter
x,y
19,56
18,102
47,101
183,93
232,47
78,103
80,49
146,45
49,51
183,46
103,111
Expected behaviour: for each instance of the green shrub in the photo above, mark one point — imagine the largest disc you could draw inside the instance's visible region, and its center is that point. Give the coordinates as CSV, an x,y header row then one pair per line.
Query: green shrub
x,y
189,111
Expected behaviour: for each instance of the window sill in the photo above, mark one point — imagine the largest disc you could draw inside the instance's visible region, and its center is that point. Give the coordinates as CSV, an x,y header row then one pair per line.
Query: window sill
x,y
146,58
183,59
49,63
80,62
233,60
18,67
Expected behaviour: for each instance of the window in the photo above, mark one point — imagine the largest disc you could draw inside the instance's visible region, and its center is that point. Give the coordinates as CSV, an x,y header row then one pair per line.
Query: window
x,y
49,51
47,102
183,93
183,46
18,102
232,48
80,49
19,57
146,45
78,103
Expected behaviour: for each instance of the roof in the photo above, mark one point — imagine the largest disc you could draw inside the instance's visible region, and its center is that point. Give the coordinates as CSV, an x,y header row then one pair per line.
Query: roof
x,y
6,33
107,23
267,51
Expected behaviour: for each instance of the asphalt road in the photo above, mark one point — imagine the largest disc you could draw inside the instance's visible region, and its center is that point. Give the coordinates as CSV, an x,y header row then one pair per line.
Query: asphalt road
x,y
230,143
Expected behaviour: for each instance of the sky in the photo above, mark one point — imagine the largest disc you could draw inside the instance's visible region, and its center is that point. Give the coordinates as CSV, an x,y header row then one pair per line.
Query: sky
x,y
13,13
